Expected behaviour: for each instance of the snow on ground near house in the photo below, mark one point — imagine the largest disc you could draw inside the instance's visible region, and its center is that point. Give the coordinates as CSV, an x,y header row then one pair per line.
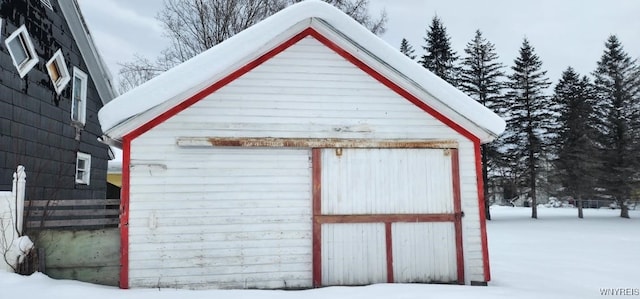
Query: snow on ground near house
x,y
556,256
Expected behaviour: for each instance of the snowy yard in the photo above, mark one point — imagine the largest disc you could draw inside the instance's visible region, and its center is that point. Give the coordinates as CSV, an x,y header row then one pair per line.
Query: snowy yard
x,y
556,256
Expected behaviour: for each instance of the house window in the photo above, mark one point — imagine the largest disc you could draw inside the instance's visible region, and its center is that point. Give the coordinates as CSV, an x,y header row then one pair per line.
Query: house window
x,y
21,49
58,72
83,168
79,96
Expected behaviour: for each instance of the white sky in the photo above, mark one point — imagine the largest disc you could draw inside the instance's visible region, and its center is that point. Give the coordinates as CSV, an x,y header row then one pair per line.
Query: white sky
x,y
567,32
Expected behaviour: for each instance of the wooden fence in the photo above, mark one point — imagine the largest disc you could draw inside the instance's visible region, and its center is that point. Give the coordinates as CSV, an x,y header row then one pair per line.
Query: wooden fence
x,y
73,214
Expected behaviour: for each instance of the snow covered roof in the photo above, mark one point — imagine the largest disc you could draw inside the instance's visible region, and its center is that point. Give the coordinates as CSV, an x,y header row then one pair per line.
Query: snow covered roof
x,y
140,105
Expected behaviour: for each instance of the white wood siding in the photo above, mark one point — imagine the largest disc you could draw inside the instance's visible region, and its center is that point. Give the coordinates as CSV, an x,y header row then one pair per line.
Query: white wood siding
x,y
231,218
386,181
305,91
353,254
424,252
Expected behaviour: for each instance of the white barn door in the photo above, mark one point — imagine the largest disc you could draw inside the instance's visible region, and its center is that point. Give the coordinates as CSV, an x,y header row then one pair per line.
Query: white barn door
x,y
388,215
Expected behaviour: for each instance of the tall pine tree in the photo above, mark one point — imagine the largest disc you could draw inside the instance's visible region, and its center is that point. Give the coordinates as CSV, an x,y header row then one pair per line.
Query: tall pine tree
x,y
575,147
481,78
439,57
617,83
407,49
529,118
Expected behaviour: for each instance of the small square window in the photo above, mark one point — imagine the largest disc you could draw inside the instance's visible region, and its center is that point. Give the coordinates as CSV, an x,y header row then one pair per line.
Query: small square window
x,y
21,49
83,168
79,96
58,72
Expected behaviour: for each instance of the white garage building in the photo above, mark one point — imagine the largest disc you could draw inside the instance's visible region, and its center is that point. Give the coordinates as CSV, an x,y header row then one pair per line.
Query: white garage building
x,y
302,152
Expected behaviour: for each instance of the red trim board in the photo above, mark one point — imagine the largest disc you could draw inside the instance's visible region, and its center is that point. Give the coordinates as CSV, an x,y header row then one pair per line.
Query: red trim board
x,y
483,219
124,214
316,176
250,66
457,211
389,245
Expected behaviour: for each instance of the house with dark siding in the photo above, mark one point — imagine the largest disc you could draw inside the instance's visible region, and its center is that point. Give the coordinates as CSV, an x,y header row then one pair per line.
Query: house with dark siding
x,y
52,84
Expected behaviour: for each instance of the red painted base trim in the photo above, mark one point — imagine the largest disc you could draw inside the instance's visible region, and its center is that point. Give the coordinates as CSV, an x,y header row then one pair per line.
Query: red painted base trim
x,y
124,214
316,175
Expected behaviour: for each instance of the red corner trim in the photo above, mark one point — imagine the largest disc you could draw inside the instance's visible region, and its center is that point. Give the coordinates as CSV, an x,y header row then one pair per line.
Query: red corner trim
x,y
124,215
483,219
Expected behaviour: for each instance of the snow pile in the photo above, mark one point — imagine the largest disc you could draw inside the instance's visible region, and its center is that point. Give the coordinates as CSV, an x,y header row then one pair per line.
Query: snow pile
x,y
17,251
555,256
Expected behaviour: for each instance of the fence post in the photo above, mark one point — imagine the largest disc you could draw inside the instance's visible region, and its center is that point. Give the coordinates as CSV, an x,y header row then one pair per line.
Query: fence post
x,y
19,182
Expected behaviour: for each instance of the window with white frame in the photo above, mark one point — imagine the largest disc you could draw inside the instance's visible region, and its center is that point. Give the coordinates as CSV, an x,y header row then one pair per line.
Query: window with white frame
x,y
58,72
21,49
83,168
79,96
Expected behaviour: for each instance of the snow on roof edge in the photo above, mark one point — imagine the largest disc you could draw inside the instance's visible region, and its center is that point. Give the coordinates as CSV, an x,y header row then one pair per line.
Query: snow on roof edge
x,y
420,78
173,84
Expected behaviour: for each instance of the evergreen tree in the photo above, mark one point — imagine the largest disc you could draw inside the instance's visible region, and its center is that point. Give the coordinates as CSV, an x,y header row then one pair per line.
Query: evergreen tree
x,y
617,83
407,49
529,119
480,78
575,147
439,57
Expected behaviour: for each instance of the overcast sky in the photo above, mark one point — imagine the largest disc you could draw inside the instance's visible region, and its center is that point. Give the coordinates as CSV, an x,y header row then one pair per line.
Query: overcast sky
x,y
563,32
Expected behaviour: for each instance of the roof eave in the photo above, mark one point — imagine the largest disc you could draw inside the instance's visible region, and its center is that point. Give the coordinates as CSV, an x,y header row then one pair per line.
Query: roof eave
x,y
97,68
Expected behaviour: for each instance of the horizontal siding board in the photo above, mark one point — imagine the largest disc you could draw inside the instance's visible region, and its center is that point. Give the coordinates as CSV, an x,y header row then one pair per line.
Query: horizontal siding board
x,y
298,279
228,248
197,236
230,228
227,220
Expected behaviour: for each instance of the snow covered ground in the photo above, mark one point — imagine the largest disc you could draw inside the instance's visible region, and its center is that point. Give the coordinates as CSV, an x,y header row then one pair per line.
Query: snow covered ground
x,y
556,256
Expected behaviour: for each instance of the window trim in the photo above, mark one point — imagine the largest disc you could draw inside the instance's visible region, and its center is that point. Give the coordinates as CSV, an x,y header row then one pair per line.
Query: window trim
x,y
25,41
87,169
82,111
63,72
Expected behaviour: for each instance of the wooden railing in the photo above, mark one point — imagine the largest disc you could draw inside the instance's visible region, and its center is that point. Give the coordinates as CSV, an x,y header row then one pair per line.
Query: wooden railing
x,y
75,214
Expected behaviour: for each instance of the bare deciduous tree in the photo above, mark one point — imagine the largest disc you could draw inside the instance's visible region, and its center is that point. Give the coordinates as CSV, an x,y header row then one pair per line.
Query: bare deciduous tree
x,y
193,26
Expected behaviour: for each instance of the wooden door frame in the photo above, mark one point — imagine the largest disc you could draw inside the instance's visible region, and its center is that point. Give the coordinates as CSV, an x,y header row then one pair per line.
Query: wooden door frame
x,y
387,219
